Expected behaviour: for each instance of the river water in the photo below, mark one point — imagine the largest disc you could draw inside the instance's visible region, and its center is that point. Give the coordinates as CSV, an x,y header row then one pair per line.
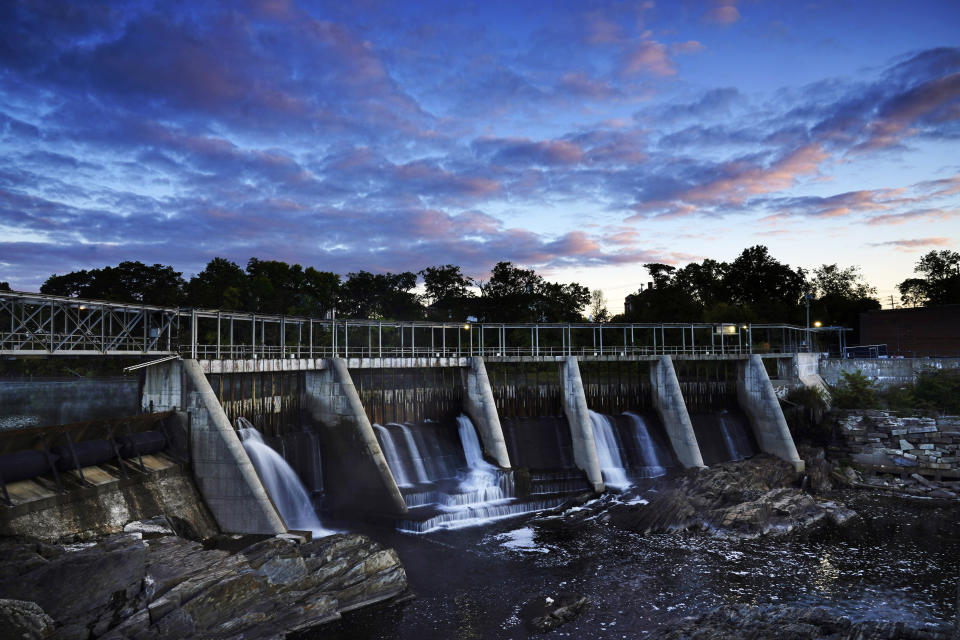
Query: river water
x,y
898,562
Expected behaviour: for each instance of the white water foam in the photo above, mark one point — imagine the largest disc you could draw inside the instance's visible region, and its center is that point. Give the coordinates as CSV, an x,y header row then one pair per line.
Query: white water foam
x,y
654,459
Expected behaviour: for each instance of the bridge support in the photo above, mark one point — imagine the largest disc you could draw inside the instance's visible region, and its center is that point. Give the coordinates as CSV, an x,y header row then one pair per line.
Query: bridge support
x,y
759,401
479,405
333,402
670,406
223,472
581,429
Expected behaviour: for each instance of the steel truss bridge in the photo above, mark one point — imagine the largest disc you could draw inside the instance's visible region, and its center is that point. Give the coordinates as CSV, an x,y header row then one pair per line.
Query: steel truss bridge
x,y
42,325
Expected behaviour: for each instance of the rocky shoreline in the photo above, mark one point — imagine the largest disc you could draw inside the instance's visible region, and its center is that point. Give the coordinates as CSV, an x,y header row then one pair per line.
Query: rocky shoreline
x,y
739,621
149,583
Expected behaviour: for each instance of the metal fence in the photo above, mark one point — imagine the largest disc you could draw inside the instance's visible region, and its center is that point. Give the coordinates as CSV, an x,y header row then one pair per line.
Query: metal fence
x,y
36,324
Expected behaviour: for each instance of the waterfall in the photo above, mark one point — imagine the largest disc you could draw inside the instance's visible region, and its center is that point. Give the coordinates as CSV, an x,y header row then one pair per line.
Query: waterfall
x,y
415,456
281,482
471,444
737,442
608,453
654,458
393,458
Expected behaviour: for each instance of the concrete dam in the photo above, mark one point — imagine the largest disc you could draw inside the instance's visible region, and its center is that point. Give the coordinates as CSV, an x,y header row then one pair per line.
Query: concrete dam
x,y
433,425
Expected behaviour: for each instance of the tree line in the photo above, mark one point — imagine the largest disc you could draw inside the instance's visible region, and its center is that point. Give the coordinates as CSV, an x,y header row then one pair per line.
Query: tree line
x,y
754,287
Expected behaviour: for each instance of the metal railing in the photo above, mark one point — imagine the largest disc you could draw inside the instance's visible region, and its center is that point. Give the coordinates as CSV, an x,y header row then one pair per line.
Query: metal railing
x,y
37,324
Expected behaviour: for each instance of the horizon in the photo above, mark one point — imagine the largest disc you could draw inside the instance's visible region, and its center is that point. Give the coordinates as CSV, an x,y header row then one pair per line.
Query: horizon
x,y
578,139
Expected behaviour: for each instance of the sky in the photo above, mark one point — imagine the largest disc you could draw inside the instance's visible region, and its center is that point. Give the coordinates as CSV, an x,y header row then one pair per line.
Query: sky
x,y
582,139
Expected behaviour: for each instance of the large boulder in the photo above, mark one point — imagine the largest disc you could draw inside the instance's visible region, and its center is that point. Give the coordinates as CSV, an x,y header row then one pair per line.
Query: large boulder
x,y
22,620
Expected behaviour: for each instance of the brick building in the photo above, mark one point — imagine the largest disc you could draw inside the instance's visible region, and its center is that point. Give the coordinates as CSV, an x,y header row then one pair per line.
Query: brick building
x,y
924,331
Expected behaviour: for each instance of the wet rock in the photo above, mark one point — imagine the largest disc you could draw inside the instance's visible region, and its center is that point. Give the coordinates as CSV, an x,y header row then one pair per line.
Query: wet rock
x,y
152,527
545,614
733,622
26,620
168,587
818,470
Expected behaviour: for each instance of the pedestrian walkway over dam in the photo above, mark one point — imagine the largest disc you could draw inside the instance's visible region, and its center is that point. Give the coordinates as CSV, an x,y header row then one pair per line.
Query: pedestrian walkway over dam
x,y
36,324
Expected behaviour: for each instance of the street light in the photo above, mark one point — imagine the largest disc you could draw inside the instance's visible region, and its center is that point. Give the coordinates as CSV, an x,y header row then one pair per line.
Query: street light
x,y
817,324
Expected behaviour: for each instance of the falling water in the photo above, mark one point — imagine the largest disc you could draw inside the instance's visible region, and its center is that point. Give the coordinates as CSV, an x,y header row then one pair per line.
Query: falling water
x,y
484,493
654,458
415,456
736,440
608,453
393,458
281,482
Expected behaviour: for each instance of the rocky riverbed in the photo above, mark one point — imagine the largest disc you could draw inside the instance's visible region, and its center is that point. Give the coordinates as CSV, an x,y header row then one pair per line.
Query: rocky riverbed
x,y
149,583
759,496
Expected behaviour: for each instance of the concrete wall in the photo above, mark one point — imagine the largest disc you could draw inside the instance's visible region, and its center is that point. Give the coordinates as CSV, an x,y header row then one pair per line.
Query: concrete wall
x,y
758,400
223,472
670,406
42,402
886,372
479,405
361,479
581,429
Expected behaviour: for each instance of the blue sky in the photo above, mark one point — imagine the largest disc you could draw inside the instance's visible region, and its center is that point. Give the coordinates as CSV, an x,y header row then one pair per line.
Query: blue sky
x,y
582,139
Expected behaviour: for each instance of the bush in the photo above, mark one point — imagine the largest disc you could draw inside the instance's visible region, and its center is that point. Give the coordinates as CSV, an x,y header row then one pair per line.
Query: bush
x,y
855,391
938,391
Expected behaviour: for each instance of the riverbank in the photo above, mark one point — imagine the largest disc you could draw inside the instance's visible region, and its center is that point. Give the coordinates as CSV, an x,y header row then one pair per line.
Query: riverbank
x,y
149,582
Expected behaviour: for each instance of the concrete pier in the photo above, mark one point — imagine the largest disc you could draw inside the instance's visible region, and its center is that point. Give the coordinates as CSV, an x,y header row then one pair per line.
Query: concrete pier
x,y
479,405
581,429
334,404
225,476
670,406
758,400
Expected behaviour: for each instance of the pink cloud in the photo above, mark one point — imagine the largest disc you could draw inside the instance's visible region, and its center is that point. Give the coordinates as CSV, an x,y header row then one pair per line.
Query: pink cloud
x,y
580,84
916,215
648,56
691,46
726,13
912,245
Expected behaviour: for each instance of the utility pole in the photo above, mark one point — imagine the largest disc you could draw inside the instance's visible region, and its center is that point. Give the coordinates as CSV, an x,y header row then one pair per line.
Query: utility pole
x,y
892,305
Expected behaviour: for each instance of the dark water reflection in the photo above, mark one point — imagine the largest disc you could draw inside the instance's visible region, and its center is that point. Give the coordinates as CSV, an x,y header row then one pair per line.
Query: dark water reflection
x,y
898,563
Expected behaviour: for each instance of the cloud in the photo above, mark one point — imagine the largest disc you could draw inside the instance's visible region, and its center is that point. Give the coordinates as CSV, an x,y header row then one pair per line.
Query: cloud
x,y
648,56
912,245
725,13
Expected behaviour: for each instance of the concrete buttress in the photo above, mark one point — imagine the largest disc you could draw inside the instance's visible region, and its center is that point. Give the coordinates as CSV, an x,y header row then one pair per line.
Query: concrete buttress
x,y
581,429
224,474
479,405
333,402
759,401
670,406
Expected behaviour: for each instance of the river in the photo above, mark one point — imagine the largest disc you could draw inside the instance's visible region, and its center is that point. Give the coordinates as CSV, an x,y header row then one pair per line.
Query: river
x,y
898,561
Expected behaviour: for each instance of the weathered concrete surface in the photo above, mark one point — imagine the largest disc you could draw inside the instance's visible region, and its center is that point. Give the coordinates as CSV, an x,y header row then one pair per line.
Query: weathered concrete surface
x,y
886,372
355,454
479,405
758,400
807,371
581,429
163,387
670,406
40,402
225,476
87,512
169,587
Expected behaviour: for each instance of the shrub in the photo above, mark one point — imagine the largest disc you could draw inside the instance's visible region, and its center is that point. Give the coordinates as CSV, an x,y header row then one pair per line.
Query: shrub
x,y
855,391
938,391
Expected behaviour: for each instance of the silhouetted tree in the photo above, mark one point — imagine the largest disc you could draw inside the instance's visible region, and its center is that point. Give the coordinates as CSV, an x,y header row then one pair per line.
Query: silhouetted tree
x,y
5,286
221,285
520,295
840,296
448,292
380,296
940,283
127,282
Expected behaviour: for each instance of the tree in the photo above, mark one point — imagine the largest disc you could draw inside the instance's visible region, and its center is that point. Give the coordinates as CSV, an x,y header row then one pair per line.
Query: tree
x,y
598,306
380,296
521,295
840,296
5,286
221,285
127,282
771,289
448,292
940,283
